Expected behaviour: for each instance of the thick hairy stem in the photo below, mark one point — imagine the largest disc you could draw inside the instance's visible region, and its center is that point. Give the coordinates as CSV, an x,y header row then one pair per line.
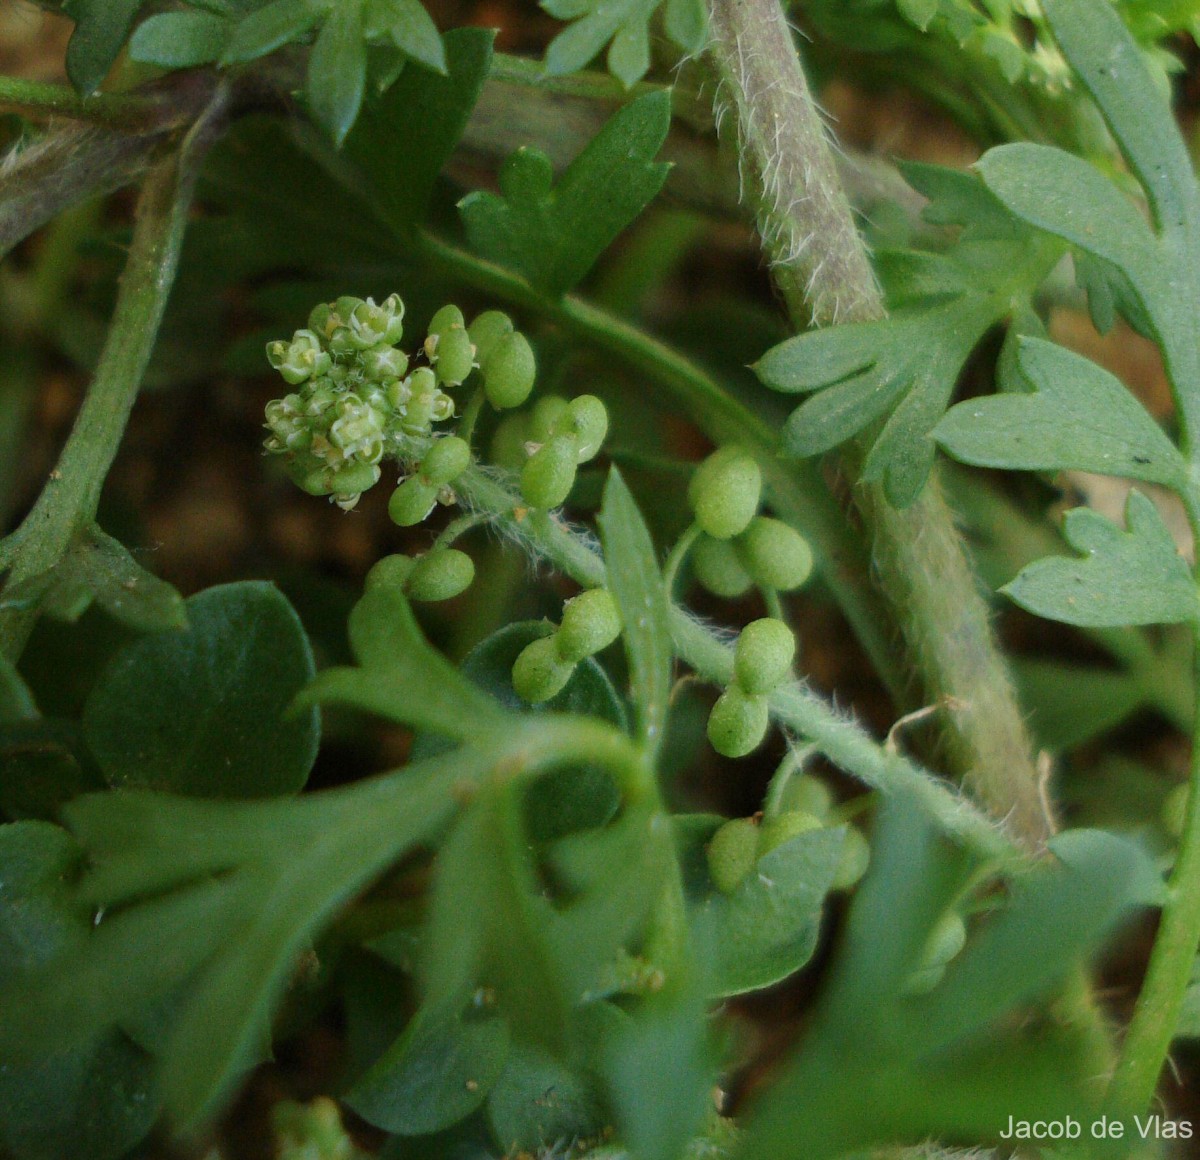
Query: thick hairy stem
x,y
69,500
821,267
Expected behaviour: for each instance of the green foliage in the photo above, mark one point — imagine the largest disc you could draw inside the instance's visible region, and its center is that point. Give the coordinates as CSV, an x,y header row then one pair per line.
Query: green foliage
x,y
1134,576
239,664
624,27
636,585
552,233
522,936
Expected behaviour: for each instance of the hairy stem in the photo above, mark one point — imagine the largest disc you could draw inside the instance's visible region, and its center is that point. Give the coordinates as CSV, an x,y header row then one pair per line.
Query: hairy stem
x,y
71,496
794,706
797,491
821,267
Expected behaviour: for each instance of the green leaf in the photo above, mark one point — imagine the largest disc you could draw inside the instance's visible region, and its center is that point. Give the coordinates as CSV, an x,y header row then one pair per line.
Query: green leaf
x,y
1071,199
635,582
1080,418
624,26
686,23
880,1066
180,39
553,234
537,1101
918,12
101,27
1070,704
401,141
264,30
16,700
437,1073
767,928
1124,577
254,882
1099,881
94,1099
575,797
98,568
236,669
1113,68
402,677
43,765
411,28
337,70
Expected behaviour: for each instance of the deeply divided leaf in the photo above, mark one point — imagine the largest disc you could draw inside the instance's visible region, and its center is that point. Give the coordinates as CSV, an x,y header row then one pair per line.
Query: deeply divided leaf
x,y
1135,576
1079,418
553,233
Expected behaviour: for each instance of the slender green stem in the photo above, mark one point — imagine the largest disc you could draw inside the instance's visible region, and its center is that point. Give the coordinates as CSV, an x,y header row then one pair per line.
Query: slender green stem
x,y
130,112
70,498
1157,1012
794,706
466,428
822,270
797,491
676,557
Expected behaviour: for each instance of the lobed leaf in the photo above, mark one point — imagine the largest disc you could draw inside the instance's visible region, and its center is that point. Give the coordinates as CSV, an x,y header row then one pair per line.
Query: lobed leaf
x,y
1124,577
337,70
401,141
180,39
1113,68
411,29
1079,418
265,29
623,25
553,234
402,677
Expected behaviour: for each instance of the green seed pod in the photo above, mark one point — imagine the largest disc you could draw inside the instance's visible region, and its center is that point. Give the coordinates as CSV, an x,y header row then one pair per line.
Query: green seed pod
x,y
725,492
454,358
509,371
353,479
732,854
448,318
738,722
391,573
718,568
446,460
945,941
763,655
313,479
441,575
508,443
853,860
538,673
383,363
549,475
590,622
783,827
809,794
544,419
775,555
412,501
487,330
589,420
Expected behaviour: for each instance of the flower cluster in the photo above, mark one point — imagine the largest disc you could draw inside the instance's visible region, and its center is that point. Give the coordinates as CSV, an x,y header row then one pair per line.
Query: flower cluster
x,y
356,403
